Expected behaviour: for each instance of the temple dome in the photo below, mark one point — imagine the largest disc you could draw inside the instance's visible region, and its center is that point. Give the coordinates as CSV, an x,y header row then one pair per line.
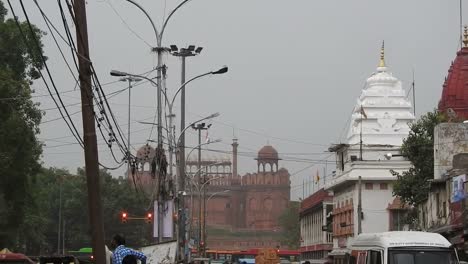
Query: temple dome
x,y
145,154
454,97
267,153
382,111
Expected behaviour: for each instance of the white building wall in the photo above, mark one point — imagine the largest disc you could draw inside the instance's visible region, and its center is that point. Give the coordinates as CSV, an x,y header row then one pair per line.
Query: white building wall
x,y
379,123
374,208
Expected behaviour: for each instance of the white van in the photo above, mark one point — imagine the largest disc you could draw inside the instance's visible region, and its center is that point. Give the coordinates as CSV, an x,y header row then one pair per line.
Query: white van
x,y
402,247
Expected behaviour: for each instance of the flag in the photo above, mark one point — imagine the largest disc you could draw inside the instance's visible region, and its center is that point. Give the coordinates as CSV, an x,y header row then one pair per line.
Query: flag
x,y
363,113
317,177
207,138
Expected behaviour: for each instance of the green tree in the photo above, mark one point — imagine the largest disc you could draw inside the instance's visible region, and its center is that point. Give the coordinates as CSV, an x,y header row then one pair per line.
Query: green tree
x,y
19,118
412,186
117,196
290,225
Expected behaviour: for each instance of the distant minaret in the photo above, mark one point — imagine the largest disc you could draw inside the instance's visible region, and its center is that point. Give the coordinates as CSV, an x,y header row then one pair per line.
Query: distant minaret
x,y
234,158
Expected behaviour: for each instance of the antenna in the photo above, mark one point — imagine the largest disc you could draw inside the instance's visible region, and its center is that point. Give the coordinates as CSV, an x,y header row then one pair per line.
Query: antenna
x,y
414,95
461,25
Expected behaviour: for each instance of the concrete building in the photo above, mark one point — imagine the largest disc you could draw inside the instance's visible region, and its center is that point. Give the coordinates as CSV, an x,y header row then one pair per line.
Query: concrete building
x,y
379,124
315,220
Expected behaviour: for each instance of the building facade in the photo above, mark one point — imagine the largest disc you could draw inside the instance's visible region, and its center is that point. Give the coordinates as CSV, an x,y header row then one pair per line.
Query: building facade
x,y
379,124
242,212
315,220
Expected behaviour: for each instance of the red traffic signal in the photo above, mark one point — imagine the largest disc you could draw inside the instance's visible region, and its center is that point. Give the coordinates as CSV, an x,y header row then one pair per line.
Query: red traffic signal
x,y
124,217
149,218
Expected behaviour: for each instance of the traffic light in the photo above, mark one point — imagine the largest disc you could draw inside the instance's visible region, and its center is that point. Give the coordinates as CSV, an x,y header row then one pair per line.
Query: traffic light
x,y
149,218
124,217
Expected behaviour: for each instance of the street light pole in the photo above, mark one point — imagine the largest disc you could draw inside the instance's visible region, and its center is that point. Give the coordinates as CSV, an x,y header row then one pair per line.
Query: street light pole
x,y
183,53
159,49
206,214
180,183
129,79
200,188
170,104
200,127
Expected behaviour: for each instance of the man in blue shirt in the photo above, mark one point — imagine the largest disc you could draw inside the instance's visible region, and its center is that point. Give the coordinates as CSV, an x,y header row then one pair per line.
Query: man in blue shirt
x,y
121,251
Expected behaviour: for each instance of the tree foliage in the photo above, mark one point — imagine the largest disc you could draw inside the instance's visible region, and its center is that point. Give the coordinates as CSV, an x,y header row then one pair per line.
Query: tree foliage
x,y
412,186
19,118
290,225
57,190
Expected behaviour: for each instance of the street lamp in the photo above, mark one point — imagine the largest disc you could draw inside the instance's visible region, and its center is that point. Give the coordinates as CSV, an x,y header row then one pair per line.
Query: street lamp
x,y
389,155
183,53
206,213
159,50
129,79
203,144
170,104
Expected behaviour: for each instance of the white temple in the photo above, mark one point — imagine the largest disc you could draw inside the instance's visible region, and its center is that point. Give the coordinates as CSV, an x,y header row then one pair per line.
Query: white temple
x,y
380,118
382,111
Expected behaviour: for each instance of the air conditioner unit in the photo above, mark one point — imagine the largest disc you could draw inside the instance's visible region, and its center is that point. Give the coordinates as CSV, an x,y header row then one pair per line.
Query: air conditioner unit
x,y
354,158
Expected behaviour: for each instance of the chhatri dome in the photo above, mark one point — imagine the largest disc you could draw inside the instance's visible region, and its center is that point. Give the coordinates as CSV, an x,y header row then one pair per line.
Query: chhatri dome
x,y
454,99
382,111
267,153
267,159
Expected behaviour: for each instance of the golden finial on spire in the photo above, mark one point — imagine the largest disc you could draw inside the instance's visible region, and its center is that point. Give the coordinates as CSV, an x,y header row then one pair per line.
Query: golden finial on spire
x,y
465,36
382,55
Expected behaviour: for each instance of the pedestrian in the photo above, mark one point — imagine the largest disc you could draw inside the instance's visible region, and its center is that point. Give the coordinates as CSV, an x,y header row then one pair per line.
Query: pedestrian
x,y
129,259
121,251
108,255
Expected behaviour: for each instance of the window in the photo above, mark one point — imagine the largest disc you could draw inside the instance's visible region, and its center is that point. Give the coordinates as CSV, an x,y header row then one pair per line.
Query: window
x,y
421,257
444,209
398,218
375,257
228,205
361,259
369,186
383,186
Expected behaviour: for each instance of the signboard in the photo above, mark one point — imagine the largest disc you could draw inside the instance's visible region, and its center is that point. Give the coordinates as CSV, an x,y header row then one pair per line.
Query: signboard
x,y
458,188
164,253
167,219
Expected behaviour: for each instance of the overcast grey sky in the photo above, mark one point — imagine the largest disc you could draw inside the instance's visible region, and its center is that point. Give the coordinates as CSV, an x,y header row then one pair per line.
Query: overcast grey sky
x,y
295,69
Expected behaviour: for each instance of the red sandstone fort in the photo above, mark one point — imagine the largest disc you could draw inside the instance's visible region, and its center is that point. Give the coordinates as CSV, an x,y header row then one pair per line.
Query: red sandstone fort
x,y
242,211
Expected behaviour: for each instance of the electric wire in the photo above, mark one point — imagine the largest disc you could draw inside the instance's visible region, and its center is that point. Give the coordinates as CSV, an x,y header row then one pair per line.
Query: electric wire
x,y
70,125
102,97
127,25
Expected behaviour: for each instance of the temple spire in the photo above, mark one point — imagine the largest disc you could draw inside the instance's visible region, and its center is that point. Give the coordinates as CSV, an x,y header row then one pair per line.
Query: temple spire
x,y
465,37
382,55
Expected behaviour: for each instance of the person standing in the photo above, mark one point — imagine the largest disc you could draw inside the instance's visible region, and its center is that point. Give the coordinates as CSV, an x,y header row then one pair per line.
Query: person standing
x,y
121,251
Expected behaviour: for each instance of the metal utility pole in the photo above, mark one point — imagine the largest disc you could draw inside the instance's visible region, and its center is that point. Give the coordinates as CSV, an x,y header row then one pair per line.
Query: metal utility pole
x,y
201,197
359,206
89,134
414,96
59,216
129,79
180,186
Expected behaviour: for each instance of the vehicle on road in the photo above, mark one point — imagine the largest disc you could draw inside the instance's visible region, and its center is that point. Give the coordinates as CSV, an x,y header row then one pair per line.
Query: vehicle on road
x,y
400,247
